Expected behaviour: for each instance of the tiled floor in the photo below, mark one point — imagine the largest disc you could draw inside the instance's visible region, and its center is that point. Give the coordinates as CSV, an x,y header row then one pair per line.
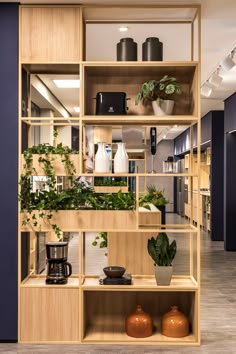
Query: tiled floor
x,y
218,314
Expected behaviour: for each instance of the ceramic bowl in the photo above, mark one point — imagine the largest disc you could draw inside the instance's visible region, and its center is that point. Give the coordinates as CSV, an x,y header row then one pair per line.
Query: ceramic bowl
x,y
114,271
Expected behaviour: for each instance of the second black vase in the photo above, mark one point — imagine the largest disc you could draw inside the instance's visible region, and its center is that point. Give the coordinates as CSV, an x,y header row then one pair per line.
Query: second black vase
x,y
152,49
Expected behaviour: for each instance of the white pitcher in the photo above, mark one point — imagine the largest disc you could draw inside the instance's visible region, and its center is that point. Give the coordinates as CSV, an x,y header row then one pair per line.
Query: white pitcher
x,y
121,160
102,160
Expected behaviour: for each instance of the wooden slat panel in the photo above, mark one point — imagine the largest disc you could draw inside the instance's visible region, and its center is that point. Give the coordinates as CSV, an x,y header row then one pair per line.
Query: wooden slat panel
x,y
50,34
72,220
49,314
132,247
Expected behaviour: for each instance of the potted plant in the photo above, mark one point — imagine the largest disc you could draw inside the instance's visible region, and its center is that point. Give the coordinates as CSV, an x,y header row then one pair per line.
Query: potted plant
x,y
162,252
159,92
155,197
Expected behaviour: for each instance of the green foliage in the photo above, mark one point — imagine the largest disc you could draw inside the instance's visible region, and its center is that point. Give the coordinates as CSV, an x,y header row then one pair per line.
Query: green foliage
x,y
153,196
47,160
109,181
154,90
79,196
112,201
160,250
101,239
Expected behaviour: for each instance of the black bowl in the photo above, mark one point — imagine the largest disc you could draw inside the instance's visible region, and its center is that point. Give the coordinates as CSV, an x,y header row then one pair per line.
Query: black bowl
x,y
114,271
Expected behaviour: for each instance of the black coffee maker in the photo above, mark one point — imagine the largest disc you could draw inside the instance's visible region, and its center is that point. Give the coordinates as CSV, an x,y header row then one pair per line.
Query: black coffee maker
x,y
58,269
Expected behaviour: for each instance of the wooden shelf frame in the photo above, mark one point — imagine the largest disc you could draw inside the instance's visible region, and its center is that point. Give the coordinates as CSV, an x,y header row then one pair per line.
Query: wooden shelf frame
x,y
37,304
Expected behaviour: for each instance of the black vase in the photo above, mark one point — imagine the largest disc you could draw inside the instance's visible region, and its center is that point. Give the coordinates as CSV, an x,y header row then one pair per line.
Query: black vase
x,y
152,49
126,50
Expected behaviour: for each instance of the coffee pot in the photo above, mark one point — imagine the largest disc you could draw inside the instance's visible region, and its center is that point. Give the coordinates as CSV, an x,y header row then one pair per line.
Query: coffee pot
x,y
58,269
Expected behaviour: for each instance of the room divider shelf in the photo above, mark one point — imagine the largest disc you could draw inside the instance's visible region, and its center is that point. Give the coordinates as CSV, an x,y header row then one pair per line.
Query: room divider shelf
x,y
54,40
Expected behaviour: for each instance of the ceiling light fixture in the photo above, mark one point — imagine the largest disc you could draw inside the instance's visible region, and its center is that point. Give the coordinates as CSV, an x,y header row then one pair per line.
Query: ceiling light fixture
x,y
228,63
206,90
123,28
77,109
215,79
67,83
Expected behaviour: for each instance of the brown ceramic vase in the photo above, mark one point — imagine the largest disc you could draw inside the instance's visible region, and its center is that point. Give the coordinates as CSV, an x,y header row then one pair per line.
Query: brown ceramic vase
x,y
175,324
139,324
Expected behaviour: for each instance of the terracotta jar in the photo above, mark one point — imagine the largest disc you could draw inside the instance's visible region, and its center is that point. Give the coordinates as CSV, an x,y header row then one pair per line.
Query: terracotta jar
x,y
139,324
175,324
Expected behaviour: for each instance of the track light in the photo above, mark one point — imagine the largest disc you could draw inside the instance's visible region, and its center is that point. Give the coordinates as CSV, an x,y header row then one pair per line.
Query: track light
x,y
206,90
215,79
228,63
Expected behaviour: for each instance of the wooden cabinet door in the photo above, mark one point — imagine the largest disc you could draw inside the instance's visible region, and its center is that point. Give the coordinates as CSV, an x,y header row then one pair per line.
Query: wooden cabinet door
x,y
50,34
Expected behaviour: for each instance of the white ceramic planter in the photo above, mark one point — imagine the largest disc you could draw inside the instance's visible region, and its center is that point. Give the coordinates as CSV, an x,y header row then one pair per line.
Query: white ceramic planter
x,y
164,108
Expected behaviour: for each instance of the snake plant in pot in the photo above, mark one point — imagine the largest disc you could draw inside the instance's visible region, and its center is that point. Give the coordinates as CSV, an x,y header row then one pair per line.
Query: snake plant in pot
x,y
161,93
162,252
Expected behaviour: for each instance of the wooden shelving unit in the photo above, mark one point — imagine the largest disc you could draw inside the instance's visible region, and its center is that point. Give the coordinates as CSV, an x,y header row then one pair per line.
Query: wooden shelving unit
x,y
83,311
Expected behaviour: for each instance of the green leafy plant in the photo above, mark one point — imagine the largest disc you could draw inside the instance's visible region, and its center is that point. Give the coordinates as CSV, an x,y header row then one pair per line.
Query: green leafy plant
x,y
101,240
160,250
154,196
79,196
109,181
155,90
47,159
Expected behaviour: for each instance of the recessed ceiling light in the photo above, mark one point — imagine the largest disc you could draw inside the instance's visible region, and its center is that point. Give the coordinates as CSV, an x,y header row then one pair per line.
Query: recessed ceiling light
x,y
77,109
164,136
123,28
67,83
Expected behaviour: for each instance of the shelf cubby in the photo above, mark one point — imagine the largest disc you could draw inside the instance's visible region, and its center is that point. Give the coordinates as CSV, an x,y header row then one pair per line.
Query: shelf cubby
x,y
105,322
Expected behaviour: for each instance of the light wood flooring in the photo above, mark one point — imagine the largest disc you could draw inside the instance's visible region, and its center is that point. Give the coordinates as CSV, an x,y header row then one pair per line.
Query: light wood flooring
x,y
218,314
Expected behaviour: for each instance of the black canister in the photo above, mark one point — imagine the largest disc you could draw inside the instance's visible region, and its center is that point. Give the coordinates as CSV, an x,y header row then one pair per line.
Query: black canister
x,y
126,50
152,49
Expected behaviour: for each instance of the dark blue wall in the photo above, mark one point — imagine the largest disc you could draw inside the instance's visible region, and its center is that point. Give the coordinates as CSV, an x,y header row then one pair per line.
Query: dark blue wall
x,y
8,163
230,174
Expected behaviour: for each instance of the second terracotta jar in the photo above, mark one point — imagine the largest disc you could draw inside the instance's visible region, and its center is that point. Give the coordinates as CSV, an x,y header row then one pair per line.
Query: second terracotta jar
x,y
139,324
175,324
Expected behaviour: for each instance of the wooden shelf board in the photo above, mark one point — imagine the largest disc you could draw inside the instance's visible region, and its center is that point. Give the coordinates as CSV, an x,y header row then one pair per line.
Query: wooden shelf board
x,y
178,283
52,68
94,66
110,330
138,120
161,174
140,13
39,281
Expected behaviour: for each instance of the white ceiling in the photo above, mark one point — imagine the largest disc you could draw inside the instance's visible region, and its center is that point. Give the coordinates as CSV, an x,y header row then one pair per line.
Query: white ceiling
x,y
218,39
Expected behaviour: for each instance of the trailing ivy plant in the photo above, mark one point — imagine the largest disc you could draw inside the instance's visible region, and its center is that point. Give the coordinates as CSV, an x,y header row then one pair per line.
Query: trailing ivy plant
x,y
79,196
47,161
45,200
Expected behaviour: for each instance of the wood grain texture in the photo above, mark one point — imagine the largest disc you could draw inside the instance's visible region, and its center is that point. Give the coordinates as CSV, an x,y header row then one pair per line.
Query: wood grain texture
x,y
72,220
49,314
218,324
50,34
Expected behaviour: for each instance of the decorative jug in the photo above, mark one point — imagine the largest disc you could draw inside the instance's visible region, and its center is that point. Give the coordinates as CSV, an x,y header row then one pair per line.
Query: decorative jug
x,y
175,324
139,324
121,160
102,160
